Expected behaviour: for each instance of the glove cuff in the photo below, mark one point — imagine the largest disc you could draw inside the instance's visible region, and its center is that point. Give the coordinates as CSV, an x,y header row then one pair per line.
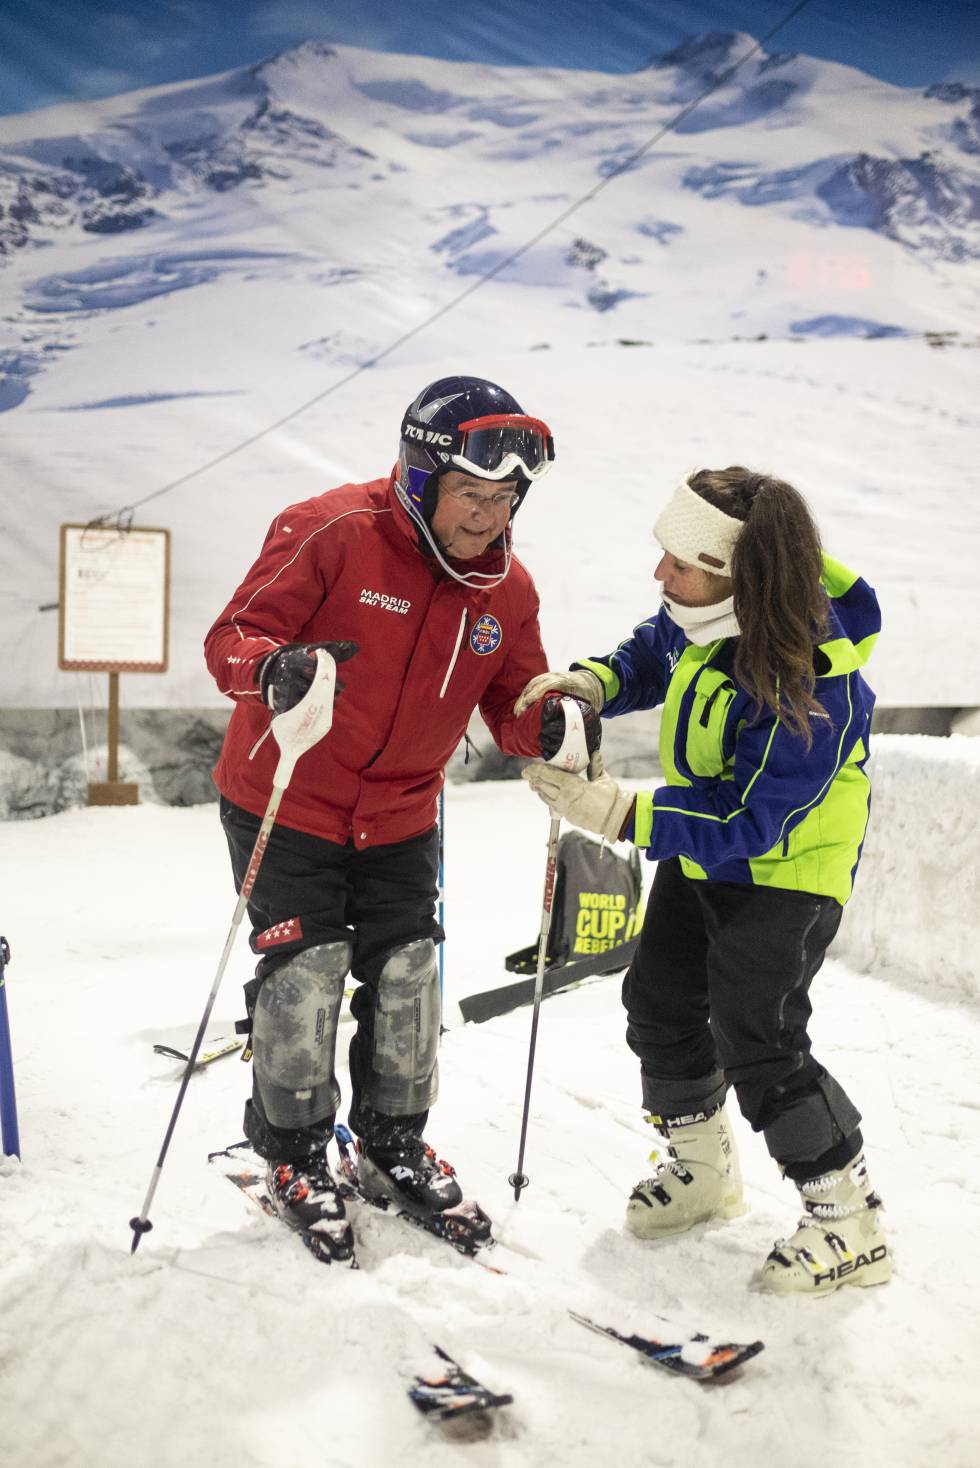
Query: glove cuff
x,y
264,672
602,681
642,819
626,828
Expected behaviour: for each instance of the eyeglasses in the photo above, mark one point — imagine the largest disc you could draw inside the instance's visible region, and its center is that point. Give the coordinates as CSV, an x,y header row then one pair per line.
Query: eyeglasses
x,y
473,501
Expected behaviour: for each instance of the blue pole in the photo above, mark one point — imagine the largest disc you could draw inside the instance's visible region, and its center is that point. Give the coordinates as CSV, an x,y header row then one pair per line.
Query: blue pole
x,y
442,892
8,1101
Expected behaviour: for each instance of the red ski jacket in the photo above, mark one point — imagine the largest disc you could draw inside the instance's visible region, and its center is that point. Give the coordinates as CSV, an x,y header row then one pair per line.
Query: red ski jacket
x,y
348,565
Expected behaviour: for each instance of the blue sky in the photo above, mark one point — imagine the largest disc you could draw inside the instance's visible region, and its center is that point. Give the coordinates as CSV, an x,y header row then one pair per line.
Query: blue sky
x,y
57,50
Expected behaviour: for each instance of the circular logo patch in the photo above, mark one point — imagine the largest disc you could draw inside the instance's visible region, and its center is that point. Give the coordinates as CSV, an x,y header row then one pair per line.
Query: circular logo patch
x,y
486,635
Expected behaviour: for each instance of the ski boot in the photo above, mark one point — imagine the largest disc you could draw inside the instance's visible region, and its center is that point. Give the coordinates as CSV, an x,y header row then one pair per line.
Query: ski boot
x,y
405,1172
838,1240
697,1177
305,1196
411,1175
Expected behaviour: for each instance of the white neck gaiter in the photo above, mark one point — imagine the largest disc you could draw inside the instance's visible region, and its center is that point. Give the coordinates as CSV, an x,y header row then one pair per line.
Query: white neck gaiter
x,y
702,625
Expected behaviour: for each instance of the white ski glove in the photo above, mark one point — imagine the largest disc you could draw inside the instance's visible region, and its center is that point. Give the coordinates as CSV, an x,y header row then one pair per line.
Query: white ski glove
x,y
580,684
597,804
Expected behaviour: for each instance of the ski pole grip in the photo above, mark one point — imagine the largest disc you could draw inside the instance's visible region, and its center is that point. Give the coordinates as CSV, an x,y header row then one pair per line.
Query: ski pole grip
x,y
304,725
573,752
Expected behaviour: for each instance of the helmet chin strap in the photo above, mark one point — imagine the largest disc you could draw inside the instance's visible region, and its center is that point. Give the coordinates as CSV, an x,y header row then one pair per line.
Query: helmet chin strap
x,y
478,580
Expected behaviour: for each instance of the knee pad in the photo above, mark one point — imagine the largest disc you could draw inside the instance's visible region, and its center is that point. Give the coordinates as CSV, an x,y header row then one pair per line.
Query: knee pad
x,y
294,1036
404,1075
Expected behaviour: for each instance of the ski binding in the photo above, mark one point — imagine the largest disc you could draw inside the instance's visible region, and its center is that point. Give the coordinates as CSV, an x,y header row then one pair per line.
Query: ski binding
x,y
253,1185
466,1227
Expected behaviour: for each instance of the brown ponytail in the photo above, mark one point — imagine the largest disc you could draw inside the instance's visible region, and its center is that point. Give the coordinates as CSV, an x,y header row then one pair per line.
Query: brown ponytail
x,y
780,604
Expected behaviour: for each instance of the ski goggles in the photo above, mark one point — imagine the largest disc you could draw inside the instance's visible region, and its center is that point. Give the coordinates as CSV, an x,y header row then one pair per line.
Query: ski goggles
x,y
504,444
492,447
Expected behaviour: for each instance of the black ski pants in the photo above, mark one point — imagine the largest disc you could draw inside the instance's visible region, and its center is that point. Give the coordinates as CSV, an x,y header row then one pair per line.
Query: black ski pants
x,y
717,995
378,899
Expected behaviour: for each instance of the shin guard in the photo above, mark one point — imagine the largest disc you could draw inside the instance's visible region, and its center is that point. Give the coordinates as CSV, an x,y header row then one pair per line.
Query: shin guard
x,y
403,1078
294,1036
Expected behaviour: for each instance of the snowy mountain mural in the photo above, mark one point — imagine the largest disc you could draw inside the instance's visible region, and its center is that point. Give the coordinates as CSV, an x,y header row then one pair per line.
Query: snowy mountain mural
x,y
195,275
399,173
263,124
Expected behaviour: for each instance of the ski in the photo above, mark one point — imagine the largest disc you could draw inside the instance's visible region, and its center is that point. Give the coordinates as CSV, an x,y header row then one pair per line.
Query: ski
x,y
449,1391
205,1057
477,1008
445,1392
466,1227
699,1358
253,1186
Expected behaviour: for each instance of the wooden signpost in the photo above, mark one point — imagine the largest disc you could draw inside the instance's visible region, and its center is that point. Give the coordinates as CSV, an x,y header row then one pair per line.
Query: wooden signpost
x,y
114,608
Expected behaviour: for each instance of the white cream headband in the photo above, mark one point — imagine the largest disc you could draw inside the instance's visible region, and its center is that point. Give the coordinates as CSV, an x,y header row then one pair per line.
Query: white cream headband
x,y
694,531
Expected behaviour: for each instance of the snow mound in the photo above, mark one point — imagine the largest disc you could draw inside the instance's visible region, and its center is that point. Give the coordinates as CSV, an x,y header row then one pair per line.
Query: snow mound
x,y
919,879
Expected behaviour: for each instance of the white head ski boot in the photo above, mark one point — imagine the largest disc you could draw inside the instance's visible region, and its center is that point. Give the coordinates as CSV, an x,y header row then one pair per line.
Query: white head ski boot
x,y
697,1177
838,1241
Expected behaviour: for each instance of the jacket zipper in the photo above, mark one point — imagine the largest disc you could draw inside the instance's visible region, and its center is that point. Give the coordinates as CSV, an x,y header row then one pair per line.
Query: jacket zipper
x,y
706,711
709,702
452,661
260,741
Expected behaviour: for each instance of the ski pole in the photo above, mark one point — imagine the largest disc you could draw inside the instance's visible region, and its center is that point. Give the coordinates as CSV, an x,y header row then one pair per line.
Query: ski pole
x,y
519,1179
442,895
295,731
572,756
9,1137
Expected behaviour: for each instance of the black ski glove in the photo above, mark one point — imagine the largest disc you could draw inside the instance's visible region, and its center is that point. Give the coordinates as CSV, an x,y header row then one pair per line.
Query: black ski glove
x,y
287,673
553,725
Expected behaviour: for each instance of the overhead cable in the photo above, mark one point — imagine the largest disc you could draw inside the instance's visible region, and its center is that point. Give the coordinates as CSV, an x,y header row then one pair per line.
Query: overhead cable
x,y
614,173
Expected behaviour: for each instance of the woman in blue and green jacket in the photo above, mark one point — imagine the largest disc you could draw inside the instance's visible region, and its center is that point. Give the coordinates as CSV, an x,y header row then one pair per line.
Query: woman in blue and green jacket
x,y
756,656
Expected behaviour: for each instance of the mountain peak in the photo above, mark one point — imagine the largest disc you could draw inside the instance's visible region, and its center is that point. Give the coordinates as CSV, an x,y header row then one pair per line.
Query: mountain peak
x,y
305,51
298,58
707,53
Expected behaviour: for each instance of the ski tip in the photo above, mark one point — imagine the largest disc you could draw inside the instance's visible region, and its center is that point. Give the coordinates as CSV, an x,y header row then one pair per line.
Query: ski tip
x,y
450,1393
726,1358
699,1357
445,1404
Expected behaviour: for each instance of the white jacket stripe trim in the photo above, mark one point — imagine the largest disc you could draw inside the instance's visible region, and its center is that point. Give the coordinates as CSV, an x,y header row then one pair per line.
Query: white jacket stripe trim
x,y
452,660
302,546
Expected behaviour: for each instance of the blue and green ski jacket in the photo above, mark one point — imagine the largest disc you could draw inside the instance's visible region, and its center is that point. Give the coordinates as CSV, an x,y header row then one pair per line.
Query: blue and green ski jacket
x,y
745,800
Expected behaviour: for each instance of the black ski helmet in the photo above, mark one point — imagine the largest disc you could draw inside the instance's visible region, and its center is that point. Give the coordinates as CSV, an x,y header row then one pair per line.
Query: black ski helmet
x,y
471,424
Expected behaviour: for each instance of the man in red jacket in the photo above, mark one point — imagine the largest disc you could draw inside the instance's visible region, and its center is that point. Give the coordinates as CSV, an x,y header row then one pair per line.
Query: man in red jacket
x,y
410,581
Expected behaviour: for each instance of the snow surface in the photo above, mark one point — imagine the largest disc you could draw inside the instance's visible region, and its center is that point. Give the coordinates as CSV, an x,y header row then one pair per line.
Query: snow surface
x,y
222,1344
